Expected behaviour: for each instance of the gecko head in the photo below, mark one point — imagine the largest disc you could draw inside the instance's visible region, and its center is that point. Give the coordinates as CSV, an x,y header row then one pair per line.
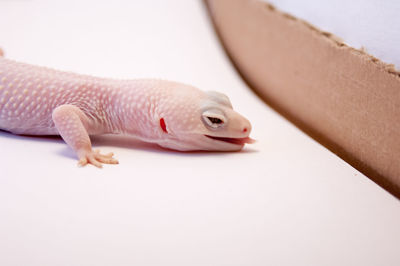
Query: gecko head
x,y
205,121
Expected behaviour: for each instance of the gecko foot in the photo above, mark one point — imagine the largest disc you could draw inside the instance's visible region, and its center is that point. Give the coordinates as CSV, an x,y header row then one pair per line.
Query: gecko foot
x,y
96,158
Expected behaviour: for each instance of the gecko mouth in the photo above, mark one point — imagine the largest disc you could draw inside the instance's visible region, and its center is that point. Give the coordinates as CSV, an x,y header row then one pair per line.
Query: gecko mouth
x,y
237,141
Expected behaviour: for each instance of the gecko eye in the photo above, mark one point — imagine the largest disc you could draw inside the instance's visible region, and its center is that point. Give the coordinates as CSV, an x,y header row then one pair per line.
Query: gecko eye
x,y
213,118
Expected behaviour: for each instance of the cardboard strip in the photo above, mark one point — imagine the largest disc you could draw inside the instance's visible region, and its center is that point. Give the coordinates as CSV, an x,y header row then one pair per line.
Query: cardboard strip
x,y
344,98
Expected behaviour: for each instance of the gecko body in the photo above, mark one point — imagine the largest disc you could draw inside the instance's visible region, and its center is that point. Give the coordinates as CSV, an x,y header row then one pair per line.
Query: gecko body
x,y
41,101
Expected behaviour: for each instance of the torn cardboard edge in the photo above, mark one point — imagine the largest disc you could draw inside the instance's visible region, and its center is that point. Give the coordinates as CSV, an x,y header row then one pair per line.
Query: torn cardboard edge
x,y
384,174
390,68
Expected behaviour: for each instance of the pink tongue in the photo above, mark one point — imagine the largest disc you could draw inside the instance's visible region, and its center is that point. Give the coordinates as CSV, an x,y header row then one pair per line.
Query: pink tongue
x,y
241,141
249,140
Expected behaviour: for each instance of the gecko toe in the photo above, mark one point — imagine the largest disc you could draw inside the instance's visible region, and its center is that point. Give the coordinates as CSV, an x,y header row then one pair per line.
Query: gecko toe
x,y
108,160
82,162
109,155
95,162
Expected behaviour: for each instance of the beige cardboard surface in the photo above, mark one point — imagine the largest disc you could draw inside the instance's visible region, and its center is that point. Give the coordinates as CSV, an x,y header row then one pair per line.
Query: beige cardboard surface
x,y
344,98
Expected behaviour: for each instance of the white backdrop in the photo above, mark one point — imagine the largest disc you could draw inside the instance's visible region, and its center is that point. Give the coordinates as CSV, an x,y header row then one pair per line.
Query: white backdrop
x,y
285,200
372,24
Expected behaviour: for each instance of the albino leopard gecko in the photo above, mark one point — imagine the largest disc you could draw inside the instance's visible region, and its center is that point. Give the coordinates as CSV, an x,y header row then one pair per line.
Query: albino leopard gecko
x,y
41,101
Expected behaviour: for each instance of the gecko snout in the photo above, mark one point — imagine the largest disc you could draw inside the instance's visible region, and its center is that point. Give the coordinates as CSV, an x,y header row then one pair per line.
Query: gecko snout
x,y
245,126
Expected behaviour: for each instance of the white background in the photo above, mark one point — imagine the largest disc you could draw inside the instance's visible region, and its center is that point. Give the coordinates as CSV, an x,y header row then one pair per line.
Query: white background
x,y
285,200
370,24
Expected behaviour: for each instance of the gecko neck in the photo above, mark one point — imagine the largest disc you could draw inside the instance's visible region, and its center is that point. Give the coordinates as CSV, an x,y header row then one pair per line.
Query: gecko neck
x,y
132,109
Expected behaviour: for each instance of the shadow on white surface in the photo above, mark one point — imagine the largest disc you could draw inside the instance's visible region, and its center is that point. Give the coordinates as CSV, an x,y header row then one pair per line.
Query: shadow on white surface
x,y
124,142
134,144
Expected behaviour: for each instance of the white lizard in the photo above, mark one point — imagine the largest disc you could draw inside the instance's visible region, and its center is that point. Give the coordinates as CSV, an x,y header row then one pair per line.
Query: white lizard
x,y
41,101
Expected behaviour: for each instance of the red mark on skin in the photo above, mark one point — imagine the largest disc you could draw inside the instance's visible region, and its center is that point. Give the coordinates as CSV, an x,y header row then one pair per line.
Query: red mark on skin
x,y
163,126
245,129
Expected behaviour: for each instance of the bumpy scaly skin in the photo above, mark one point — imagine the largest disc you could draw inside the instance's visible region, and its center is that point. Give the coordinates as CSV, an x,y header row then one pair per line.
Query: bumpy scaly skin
x,y
40,101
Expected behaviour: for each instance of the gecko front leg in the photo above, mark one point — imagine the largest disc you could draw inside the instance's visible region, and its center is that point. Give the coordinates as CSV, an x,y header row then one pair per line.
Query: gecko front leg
x,y
73,125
